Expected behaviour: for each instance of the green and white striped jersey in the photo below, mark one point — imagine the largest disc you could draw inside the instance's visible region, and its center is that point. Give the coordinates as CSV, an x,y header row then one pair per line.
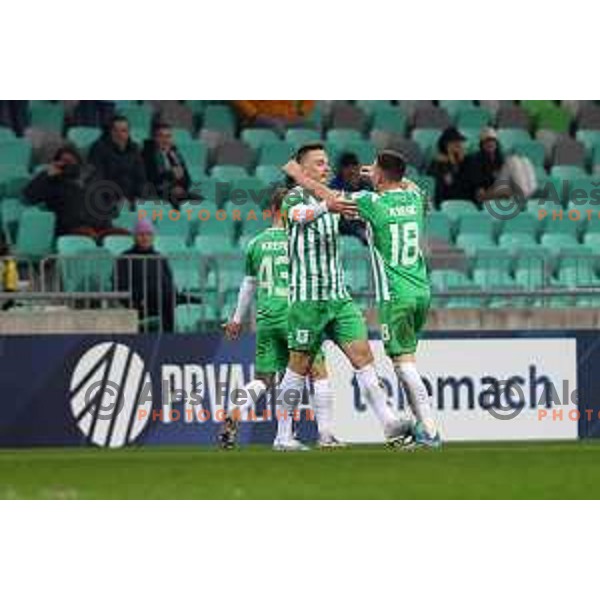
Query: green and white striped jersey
x,y
314,252
395,227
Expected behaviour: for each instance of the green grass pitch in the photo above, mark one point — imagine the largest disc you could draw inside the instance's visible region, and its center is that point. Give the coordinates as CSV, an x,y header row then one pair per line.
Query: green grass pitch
x,y
492,470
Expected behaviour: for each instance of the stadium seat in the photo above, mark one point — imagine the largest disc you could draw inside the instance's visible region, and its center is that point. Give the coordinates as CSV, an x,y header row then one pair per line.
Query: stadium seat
x,y
370,107
455,209
569,152
195,155
590,138
10,213
209,243
342,137
491,258
564,225
522,223
512,117
533,150
566,171
181,136
234,152
117,244
46,115
15,153
510,137
364,150
557,242
219,117
299,137
438,225
230,273
472,118
269,174
83,137
431,117
6,134
228,173
389,118
75,244
449,279
276,153
189,318
427,140
472,242
174,223
480,222
490,279
518,241
454,107
531,278
257,138
170,244
35,236
82,265
348,116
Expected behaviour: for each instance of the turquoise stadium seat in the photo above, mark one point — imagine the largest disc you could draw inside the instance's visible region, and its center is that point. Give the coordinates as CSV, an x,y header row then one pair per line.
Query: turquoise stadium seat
x,y
269,174
276,154
438,225
509,138
83,137
195,155
299,137
342,137
35,236
15,153
47,115
257,138
219,117
474,117
389,118
117,244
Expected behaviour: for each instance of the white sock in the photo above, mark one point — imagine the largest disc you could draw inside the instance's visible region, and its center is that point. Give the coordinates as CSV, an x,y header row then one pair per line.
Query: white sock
x,y
288,399
417,396
253,391
323,404
368,379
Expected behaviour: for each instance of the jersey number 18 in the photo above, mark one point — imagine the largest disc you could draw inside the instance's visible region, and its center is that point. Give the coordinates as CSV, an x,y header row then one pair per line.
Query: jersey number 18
x,y
405,252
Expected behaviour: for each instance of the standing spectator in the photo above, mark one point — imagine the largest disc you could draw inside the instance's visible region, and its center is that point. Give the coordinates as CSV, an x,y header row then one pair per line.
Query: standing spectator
x,y
348,178
448,167
483,168
116,158
62,187
165,167
276,114
144,273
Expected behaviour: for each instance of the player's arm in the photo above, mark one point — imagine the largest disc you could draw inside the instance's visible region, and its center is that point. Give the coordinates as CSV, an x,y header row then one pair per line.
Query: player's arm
x,y
331,200
246,294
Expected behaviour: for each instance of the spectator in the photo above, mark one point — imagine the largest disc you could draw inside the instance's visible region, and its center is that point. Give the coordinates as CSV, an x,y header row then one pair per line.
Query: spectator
x,y
483,168
165,167
62,187
94,113
348,178
116,158
144,273
448,167
276,114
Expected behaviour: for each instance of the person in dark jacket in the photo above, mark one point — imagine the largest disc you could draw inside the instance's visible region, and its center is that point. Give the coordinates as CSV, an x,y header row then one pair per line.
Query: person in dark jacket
x,y
165,167
146,275
116,159
62,187
448,167
483,168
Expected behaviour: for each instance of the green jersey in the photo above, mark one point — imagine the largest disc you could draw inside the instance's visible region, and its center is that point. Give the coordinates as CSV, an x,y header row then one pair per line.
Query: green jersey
x,y
267,260
395,227
314,248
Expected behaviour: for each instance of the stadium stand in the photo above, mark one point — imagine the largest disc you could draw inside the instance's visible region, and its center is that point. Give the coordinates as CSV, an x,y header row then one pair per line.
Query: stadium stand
x,y
553,243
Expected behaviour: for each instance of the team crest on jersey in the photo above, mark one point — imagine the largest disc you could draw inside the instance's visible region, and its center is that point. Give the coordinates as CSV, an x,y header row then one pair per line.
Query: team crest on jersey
x,y
302,336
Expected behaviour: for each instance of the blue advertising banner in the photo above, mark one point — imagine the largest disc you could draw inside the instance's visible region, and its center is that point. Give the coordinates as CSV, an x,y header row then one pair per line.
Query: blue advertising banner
x,y
112,391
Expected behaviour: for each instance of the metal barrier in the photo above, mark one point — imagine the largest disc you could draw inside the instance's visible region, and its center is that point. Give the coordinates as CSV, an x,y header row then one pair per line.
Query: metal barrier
x,y
196,292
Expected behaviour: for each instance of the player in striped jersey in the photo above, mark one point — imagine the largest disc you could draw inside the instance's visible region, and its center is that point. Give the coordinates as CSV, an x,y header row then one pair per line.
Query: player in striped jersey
x,y
267,279
395,214
320,305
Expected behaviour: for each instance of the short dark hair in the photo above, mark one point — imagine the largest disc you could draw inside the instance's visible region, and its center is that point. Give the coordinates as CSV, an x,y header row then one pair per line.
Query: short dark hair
x,y
117,119
392,163
306,148
68,149
160,125
279,193
348,159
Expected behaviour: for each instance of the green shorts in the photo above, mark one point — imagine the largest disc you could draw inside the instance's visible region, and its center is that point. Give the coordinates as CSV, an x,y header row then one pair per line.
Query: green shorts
x,y
272,347
401,321
310,322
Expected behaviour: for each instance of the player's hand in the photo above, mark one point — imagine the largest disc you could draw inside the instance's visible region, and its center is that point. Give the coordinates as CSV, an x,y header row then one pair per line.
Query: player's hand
x,y
293,169
232,330
339,203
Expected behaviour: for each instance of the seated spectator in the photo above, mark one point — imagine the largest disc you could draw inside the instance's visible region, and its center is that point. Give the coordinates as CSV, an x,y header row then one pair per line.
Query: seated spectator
x,y
165,167
483,168
144,273
62,187
116,158
348,178
276,114
448,167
